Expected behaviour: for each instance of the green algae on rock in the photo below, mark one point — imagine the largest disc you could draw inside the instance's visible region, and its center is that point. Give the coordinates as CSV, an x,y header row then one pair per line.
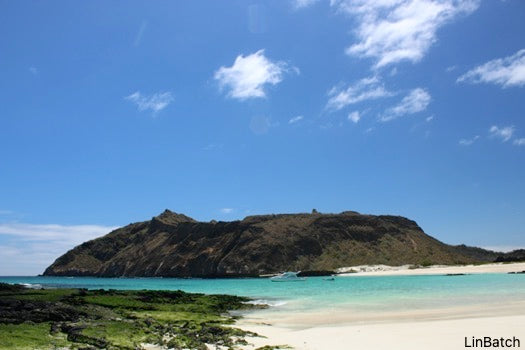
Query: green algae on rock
x,y
110,319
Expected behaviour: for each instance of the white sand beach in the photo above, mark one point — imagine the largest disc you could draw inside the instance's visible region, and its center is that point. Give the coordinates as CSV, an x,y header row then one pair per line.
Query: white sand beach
x,y
442,328
385,270
412,335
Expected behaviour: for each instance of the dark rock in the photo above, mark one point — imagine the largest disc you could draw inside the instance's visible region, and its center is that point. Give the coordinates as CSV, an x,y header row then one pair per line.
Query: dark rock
x,y
315,273
18,311
514,256
13,288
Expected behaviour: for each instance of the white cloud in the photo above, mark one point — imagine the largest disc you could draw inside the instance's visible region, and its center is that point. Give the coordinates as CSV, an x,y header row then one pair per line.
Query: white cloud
x,y
508,71
519,142
468,142
416,101
504,133
27,249
227,210
154,103
249,75
365,89
391,31
354,116
71,234
429,119
298,4
295,119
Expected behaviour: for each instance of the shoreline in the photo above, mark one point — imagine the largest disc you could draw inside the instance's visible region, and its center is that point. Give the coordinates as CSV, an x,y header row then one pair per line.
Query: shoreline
x,y
357,270
411,330
449,327
409,270
407,335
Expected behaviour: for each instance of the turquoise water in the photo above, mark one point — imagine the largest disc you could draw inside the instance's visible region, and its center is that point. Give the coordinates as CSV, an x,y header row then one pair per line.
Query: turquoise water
x,y
367,293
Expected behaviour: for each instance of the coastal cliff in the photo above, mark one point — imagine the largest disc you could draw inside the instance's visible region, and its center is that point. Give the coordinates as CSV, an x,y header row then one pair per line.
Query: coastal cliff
x,y
174,245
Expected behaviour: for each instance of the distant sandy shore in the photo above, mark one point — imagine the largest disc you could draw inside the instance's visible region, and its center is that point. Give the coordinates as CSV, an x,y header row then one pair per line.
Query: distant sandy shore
x,y
445,328
385,270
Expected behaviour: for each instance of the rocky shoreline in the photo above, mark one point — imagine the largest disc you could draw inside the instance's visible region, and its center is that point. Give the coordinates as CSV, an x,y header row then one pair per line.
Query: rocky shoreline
x,y
111,319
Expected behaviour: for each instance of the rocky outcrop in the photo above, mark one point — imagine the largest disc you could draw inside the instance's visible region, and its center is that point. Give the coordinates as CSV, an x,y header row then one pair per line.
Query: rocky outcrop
x,y
174,245
514,256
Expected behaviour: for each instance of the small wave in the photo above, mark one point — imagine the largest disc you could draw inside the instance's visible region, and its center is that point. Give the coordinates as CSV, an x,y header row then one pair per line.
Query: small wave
x,y
273,303
32,285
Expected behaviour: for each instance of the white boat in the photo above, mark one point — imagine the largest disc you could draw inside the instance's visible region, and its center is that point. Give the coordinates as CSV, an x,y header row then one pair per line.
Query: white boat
x,y
287,277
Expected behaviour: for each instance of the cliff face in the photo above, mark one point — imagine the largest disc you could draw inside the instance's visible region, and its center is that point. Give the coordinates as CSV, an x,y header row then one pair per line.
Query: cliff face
x,y
175,245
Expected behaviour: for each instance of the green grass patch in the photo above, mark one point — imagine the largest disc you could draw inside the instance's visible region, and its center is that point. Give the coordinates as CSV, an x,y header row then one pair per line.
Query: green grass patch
x,y
180,316
119,333
31,336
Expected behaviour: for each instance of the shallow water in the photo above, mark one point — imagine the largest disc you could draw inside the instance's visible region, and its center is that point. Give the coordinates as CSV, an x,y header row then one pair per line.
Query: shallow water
x,y
359,293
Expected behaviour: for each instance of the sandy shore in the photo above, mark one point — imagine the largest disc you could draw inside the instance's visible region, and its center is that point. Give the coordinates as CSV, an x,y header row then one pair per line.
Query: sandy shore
x,y
415,335
385,270
444,328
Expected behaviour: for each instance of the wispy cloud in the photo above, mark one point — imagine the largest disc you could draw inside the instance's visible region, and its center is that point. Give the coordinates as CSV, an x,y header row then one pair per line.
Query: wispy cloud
x,y
354,116
519,142
140,33
507,72
249,75
33,70
71,234
503,133
299,4
213,146
226,210
416,101
261,124
468,142
365,89
295,119
29,248
429,119
391,31
155,103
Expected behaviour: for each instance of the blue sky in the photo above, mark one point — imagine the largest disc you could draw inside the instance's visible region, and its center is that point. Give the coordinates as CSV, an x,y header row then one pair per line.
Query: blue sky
x,y
113,111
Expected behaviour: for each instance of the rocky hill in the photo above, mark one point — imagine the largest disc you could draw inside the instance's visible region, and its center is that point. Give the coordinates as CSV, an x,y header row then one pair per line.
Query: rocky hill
x,y
175,245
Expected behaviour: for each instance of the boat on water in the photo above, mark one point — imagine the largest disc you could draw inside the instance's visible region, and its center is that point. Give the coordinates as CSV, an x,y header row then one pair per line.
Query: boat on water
x,y
288,276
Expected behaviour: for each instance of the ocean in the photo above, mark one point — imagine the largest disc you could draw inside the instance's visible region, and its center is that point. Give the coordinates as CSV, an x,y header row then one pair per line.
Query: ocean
x,y
353,293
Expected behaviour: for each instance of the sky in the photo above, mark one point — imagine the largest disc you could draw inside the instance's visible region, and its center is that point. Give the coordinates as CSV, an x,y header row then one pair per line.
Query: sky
x,y
113,111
